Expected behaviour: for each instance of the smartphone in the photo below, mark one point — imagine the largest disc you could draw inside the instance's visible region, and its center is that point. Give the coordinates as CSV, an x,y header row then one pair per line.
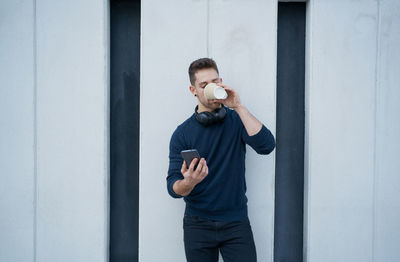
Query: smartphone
x,y
189,155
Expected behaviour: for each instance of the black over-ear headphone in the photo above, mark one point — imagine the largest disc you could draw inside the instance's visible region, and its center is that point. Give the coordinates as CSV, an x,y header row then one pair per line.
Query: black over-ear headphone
x,y
208,118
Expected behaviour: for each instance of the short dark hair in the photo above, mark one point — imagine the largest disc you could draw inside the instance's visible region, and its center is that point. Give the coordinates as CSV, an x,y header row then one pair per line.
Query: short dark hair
x,y
198,64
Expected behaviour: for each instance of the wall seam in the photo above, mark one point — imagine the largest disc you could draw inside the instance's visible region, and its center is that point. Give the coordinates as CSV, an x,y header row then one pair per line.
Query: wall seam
x,y
376,103
208,28
106,141
310,34
141,131
35,189
276,6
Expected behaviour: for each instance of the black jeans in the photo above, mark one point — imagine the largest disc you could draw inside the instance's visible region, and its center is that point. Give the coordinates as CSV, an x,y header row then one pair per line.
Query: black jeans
x,y
205,238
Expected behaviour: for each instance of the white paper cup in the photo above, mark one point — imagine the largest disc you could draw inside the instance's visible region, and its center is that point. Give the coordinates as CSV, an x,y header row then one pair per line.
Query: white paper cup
x,y
213,91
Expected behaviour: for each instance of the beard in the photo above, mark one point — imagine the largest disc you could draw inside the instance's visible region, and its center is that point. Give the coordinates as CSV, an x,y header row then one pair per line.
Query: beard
x,y
212,105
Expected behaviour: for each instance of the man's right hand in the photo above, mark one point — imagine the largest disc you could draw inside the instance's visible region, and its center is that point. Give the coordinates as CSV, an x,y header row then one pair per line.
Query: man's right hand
x,y
191,176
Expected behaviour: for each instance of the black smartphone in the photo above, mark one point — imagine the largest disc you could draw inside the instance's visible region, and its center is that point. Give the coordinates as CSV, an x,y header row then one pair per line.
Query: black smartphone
x,y
189,155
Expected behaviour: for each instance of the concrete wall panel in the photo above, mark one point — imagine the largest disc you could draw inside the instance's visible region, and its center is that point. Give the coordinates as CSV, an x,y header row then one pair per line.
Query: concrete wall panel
x,y
341,102
72,130
387,181
173,35
17,131
242,40
352,109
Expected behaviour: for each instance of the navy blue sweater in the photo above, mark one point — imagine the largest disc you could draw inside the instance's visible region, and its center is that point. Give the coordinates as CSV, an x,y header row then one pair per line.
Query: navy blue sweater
x,y
221,195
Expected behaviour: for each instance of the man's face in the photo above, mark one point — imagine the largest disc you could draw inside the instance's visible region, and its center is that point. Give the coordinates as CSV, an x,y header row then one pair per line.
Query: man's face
x,y
203,78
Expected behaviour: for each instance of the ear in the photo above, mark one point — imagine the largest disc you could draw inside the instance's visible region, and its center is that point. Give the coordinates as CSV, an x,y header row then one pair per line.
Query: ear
x,y
192,90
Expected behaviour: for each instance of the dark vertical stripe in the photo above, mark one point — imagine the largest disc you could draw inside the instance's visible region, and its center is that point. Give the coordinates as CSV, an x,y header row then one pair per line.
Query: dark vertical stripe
x,y
289,182
124,129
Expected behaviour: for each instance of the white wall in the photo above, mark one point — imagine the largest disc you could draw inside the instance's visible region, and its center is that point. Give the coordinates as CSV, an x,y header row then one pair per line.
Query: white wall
x,y
352,120
17,161
243,42
54,123
242,38
72,124
387,164
54,131
171,38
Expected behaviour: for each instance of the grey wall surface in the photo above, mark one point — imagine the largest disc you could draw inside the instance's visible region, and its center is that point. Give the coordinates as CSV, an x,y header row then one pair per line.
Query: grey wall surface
x,y
54,111
243,42
165,100
54,120
352,117
17,142
241,37
387,130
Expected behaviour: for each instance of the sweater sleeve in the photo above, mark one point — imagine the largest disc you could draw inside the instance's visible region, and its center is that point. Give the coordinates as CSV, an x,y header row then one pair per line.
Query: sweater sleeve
x,y
263,142
175,162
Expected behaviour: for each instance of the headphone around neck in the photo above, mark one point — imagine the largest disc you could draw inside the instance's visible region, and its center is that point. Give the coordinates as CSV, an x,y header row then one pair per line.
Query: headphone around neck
x,y
208,118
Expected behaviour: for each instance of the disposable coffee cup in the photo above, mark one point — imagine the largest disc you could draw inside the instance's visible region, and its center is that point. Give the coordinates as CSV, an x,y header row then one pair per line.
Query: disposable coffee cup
x,y
213,91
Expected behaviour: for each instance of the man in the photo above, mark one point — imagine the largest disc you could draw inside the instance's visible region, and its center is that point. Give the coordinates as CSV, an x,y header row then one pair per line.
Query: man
x,y
216,205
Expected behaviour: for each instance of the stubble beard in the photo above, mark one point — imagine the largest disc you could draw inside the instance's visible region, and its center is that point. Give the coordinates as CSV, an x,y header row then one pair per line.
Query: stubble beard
x,y
212,105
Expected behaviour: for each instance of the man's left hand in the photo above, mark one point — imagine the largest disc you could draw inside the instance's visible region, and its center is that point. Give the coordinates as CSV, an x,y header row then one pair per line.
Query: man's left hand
x,y
233,99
